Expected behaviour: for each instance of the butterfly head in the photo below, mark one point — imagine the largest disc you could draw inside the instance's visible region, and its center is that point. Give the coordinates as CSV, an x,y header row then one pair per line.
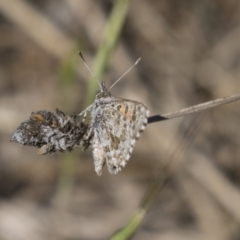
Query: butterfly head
x,y
103,91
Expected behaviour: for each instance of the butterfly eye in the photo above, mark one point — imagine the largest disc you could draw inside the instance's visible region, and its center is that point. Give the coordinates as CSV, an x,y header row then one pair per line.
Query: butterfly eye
x,y
107,94
101,94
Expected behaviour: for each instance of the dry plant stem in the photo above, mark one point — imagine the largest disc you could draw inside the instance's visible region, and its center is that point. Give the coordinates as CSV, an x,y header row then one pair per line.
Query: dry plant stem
x,y
194,109
224,192
39,28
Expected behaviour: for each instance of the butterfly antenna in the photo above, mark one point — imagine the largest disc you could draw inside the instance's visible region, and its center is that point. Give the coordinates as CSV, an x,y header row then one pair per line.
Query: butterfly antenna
x,y
89,69
126,72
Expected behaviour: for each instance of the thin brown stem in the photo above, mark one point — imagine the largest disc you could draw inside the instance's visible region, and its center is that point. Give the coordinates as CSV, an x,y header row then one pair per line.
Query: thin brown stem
x,y
194,109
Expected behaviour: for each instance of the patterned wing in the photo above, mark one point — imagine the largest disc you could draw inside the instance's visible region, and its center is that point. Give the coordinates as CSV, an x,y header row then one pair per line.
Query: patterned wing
x,y
134,111
115,132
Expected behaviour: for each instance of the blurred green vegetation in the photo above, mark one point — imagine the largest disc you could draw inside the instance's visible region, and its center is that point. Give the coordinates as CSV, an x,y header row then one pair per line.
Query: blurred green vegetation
x,y
67,79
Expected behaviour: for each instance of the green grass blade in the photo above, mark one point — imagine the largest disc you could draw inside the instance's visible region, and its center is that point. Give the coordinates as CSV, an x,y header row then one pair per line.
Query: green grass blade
x,y
107,45
150,195
131,227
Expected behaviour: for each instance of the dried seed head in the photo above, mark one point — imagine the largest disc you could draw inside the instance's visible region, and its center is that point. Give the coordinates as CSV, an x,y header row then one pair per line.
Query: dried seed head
x,y
51,132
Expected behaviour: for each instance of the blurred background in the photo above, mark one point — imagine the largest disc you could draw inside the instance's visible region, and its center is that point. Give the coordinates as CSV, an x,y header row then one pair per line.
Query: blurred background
x,y
190,54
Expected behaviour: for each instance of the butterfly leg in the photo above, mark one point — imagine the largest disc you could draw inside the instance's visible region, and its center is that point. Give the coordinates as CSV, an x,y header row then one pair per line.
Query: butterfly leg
x,y
86,110
88,135
84,117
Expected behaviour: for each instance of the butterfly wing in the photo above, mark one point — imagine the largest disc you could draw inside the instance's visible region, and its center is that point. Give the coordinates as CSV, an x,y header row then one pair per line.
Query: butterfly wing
x,y
116,128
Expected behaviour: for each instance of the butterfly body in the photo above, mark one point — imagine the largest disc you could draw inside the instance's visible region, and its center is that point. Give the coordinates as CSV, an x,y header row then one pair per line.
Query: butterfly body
x,y
114,127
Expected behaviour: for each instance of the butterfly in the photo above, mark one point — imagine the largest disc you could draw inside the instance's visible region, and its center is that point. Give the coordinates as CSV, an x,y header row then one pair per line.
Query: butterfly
x,y
115,126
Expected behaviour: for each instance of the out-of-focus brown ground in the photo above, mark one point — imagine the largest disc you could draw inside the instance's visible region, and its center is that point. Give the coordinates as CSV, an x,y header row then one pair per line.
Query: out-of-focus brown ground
x,y
190,54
